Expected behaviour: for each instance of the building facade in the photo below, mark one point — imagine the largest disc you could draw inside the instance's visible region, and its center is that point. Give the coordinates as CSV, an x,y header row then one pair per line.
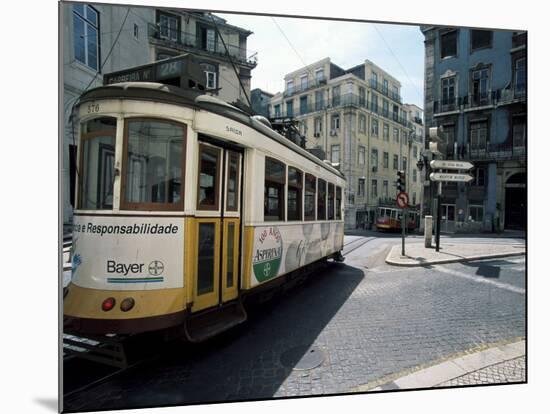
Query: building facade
x,y
99,39
476,92
260,101
357,119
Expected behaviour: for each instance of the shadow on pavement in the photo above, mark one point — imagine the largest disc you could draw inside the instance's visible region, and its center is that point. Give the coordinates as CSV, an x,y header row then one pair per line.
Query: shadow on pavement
x,y
246,363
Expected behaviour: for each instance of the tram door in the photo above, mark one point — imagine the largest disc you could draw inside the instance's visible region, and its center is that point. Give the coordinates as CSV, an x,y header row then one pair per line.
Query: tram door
x,y
217,227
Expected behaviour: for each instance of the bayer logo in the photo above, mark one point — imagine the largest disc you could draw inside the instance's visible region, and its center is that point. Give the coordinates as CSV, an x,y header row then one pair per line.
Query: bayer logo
x,y
156,267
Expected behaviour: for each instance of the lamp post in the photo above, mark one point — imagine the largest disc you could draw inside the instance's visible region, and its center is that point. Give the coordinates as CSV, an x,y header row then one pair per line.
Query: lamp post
x,y
423,160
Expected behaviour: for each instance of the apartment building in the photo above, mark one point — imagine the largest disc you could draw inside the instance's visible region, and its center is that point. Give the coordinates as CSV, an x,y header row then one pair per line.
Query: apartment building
x,y
415,180
476,91
100,38
357,119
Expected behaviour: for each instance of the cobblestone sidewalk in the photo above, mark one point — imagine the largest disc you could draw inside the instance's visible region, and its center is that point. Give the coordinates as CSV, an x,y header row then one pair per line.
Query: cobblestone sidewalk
x,y
504,372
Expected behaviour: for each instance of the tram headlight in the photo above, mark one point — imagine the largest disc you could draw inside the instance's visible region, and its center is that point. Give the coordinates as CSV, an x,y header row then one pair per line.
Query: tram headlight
x,y
108,304
127,304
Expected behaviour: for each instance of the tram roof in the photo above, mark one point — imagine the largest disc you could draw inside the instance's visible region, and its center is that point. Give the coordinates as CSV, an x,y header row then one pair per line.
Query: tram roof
x,y
158,92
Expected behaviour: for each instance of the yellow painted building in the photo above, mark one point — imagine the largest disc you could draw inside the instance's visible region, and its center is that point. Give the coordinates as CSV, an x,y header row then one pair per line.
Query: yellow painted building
x,y
357,119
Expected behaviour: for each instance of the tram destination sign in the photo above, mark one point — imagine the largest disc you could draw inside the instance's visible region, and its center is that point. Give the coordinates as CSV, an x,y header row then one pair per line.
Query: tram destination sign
x,y
462,178
177,70
147,73
451,165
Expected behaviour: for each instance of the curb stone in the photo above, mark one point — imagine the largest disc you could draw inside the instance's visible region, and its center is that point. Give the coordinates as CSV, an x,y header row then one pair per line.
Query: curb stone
x,y
454,367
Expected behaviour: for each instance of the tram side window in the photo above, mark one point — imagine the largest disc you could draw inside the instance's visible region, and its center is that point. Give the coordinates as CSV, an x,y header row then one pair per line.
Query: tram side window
x,y
274,190
321,200
294,207
309,199
330,201
154,165
209,166
97,164
233,182
338,203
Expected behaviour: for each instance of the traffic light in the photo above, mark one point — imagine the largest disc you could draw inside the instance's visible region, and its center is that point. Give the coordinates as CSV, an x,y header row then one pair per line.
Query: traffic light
x,y
401,181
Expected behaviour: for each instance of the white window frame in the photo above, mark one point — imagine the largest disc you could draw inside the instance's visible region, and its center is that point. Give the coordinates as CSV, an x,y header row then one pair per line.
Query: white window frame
x,y
374,127
320,71
172,31
87,24
361,155
303,85
335,149
213,84
374,188
374,157
318,125
362,123
335,121
290,86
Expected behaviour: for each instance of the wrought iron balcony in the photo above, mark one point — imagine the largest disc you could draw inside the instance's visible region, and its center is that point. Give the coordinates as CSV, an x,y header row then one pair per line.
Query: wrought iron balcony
x,y
447,105
343,101
379,87
310,85
182,41
491,152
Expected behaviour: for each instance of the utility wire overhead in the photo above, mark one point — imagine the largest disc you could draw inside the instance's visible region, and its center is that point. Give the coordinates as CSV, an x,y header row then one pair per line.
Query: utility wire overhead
x,y
293,48
398,61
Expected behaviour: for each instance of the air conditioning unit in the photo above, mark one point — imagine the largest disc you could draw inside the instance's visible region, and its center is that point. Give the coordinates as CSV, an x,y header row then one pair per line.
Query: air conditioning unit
x,y
332,132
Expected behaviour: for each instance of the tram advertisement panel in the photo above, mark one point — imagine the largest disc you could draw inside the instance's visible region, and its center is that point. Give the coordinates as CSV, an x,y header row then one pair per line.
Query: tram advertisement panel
x,y
127,253
281,249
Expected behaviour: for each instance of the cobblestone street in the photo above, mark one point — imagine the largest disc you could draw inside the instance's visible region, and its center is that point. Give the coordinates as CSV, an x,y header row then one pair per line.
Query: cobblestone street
x,y
366,321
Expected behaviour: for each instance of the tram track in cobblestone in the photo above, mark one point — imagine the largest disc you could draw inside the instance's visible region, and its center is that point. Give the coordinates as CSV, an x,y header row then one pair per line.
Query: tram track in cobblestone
x,y
355,244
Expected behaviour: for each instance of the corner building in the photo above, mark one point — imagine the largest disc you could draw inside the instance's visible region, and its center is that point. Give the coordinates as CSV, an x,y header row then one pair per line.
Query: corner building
x,y
476,92
356,118
103,38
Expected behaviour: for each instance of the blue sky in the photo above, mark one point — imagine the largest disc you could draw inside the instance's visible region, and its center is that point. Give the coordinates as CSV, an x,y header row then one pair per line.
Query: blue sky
x,y
398,49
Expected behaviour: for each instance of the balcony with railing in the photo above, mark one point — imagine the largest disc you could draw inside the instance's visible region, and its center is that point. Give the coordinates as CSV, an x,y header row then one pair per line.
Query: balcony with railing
x,y
341,101
180,40
311,84
379,87
488,152
496,98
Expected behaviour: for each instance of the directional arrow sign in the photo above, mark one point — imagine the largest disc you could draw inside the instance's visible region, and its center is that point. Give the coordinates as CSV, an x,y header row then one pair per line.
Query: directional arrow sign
x,y
451,165
451,177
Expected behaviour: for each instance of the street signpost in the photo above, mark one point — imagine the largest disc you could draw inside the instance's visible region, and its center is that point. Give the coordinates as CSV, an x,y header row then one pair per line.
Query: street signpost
x,y
451,165
440,177
463,178
402,201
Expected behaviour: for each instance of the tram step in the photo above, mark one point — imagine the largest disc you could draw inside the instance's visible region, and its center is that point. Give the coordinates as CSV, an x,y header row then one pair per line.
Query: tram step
x,y
199,328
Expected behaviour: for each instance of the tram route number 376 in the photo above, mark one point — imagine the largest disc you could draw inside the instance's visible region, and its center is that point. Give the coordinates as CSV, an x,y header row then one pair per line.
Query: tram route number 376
x,y
93,108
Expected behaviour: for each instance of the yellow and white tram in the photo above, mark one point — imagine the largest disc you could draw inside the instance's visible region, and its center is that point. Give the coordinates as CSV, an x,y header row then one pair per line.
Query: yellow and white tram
x,y
186,205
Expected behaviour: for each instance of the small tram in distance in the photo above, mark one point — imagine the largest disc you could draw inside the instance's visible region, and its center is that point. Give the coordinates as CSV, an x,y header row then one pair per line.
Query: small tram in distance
x,y
389,219
186,206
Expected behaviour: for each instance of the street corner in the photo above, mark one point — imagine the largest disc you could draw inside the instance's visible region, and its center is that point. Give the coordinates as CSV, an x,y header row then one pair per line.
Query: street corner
x,y
416,254
502,362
